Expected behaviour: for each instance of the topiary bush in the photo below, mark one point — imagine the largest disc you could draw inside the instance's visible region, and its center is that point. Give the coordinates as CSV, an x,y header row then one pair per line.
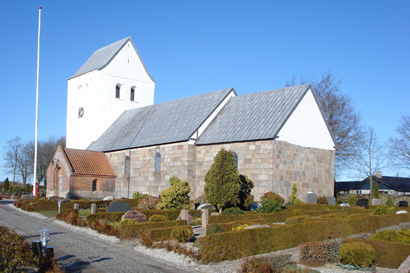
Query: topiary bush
x,y
294,196
213,229
400,236
376,193
357,253
389,202
384,209
176,196
157,218
232,211
182,234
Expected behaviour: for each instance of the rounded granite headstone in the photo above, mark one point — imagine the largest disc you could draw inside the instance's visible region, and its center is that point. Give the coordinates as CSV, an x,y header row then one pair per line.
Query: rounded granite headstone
x,y
135,215
118,207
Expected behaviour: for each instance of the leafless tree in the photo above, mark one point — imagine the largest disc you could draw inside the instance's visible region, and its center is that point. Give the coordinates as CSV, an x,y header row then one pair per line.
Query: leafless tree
x,y
344,122
399,150
25,162
11,157
371,156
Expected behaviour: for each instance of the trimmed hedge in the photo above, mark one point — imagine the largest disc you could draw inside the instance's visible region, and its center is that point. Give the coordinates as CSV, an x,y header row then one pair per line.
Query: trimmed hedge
x,y
388,254
234,244
136,230
164,233
109,216
231,225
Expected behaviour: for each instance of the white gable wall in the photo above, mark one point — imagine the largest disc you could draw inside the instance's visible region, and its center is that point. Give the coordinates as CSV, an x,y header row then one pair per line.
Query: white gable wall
x,y
306,126
95,92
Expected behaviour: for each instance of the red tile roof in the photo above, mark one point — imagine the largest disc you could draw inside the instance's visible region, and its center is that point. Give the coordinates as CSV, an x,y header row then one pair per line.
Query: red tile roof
x,y
89,162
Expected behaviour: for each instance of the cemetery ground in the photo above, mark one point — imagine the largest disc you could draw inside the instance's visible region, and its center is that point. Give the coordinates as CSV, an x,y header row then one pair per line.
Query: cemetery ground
x,y
81,249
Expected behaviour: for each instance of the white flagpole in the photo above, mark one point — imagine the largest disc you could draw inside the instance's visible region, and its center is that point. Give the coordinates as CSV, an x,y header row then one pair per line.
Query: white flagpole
x,y
35,185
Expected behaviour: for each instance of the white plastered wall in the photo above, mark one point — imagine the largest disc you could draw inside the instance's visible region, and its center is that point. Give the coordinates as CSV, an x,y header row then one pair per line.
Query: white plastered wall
x,y
95,92
306,126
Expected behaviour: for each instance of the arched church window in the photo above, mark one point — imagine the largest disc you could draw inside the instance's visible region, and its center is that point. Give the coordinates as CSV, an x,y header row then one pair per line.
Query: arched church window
x,y
235,157
157,163
132,94
94,184
117,91
127,165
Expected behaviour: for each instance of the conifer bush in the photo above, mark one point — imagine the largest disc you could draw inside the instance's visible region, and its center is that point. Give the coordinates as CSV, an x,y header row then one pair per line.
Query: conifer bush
x,y
182,234
376,193
157,218
294,196
222,182
389,202
358,253
384,209
232,211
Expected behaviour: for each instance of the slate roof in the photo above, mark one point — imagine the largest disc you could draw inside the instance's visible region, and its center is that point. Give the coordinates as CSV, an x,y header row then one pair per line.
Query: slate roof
x,y
400,184
254,116
167,122
103,56
86,162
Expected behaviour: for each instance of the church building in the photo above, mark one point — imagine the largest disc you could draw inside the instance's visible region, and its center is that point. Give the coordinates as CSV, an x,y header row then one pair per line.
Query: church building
x,y
278,137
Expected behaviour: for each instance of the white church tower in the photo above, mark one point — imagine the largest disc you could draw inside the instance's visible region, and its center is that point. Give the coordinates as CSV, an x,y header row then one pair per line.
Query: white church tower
x,y
112,80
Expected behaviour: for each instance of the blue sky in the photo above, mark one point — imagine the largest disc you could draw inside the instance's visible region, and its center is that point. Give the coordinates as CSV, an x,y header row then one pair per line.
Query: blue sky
x,y
193,47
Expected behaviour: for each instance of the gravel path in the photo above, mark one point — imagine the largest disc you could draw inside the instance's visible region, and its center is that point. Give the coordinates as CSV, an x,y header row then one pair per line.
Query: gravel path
x,y
109,254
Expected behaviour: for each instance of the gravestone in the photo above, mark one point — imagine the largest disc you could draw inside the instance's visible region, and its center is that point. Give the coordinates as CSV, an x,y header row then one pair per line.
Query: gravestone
x,y
185,216
93,208
257,226
346,205
363,203
376,202
118,207
403,204
135,215
331,200
76,206
401,212
205,217
108,198
310,198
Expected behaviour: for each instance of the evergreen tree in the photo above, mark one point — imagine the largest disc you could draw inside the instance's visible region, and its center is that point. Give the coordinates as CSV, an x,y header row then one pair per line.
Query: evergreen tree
x,y
376,193
294,197
222,182
6,184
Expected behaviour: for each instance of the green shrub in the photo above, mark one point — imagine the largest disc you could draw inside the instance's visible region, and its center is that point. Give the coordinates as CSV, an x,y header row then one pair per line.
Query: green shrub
x,y
352,201
294,197
388,254
213,229
269,206
384,209
389,202
245,197
357,253
182,234
232,211
157,218
400,236
137,195
376,193
298,219
176,196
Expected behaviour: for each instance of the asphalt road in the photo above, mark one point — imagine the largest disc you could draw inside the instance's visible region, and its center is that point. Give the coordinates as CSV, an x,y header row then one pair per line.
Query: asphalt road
x,y
77,252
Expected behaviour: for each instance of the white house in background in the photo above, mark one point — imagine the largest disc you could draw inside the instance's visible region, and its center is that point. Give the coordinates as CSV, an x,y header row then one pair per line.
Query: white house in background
x,y
112,80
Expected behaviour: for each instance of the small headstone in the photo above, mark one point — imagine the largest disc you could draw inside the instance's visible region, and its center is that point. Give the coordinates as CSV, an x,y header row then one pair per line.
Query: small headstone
x,y
76,206
135,215
205,217
205,206
401,212
331,200
403,204
108,198
93,208
310,198
257,226
254,206
118,207
346,205
185,216
363,203
214,213
376,202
